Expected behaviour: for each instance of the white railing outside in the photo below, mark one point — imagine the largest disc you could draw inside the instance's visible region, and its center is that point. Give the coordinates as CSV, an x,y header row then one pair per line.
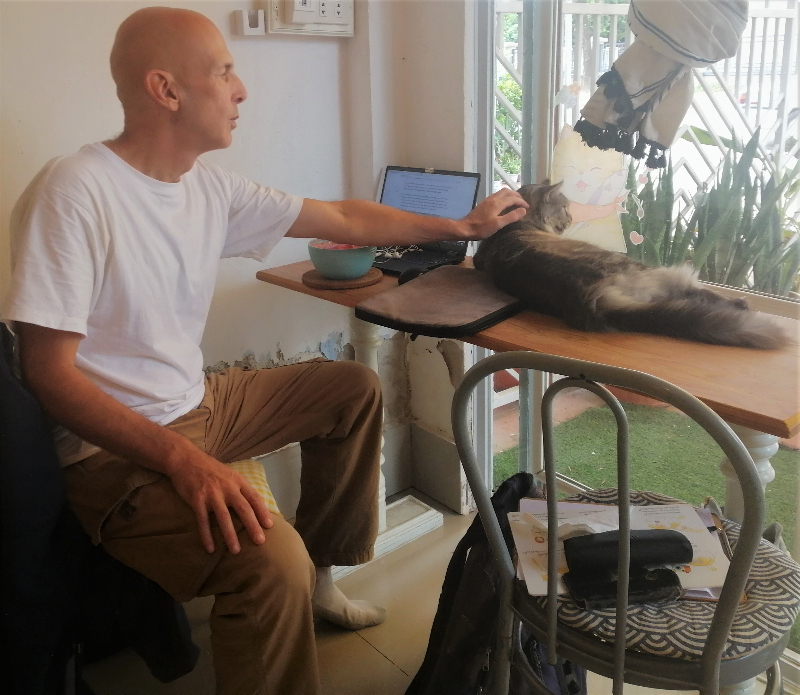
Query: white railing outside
x,y
757,88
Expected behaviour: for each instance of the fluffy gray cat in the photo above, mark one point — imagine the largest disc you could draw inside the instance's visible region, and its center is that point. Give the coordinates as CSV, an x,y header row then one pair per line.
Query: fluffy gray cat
x,y
593,289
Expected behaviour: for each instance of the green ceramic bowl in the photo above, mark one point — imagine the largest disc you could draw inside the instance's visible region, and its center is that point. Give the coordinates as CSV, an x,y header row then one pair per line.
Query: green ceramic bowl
x,y
346,263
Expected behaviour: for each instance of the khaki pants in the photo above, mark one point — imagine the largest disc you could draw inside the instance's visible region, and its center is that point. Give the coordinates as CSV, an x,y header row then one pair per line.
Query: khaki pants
x,y
262,631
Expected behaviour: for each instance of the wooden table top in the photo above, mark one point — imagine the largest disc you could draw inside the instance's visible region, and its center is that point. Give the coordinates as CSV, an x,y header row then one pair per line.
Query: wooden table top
x,y
759,389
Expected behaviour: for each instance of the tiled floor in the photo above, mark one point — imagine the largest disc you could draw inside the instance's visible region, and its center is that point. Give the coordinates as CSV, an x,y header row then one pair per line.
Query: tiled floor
x,y
378,661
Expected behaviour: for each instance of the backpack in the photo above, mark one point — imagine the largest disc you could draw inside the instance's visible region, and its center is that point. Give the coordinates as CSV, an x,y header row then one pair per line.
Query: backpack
x,y
458,655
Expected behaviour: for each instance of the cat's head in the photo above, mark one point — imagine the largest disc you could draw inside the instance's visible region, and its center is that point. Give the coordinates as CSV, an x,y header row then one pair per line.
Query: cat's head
x,y
549,208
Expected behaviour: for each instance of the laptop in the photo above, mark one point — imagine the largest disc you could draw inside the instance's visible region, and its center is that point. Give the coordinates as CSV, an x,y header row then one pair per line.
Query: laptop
x,y
433,192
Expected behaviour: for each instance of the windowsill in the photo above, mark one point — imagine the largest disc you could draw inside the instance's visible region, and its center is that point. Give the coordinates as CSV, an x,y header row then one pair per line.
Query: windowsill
x,y
758,301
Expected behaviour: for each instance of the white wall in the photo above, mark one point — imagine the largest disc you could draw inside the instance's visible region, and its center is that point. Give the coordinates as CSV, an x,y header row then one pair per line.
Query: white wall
x,y
56,95
323,116
437,63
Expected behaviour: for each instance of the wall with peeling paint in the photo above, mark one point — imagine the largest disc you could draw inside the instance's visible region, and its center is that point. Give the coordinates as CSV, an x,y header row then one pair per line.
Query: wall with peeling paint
x,y
435,368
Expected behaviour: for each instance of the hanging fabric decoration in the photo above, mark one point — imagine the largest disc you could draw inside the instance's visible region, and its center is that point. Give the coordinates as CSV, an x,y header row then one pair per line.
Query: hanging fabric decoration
x,y
641,101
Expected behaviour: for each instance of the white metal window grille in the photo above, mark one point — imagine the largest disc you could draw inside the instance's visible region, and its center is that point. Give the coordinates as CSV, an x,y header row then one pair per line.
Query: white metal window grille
x,y
758,89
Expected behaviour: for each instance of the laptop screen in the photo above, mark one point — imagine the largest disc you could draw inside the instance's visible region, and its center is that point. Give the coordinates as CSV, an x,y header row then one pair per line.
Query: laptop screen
x,y
439,193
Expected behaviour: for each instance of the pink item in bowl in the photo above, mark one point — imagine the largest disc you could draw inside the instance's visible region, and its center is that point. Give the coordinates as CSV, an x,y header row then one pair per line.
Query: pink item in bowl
x,y
333,245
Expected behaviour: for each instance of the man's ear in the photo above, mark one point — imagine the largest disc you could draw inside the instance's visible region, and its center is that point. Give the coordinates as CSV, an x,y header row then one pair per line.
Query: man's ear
x,y
160,85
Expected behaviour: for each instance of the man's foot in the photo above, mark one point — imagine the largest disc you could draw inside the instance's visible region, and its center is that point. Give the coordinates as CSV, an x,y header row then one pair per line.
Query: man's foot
x,y
330,603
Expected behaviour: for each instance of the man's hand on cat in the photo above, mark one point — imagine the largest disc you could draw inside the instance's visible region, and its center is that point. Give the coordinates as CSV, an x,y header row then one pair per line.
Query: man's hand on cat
x,y
495,212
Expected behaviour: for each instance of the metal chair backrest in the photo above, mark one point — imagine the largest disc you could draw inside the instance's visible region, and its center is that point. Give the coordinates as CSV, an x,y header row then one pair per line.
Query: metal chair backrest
x,y
590,375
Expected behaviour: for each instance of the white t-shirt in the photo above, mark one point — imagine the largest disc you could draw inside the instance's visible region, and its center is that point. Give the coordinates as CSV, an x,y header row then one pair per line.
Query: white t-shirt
x,y
130,262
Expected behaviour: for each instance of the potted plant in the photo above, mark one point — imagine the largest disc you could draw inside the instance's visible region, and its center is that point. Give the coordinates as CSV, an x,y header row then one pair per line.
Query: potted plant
x,y
739,233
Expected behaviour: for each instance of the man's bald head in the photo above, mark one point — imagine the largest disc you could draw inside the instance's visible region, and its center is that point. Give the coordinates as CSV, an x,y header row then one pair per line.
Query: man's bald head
x,y
177,84
159,38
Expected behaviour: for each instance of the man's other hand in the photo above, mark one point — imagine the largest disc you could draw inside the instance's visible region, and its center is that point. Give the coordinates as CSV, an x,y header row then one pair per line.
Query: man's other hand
x,y
47,358
209,486
494,213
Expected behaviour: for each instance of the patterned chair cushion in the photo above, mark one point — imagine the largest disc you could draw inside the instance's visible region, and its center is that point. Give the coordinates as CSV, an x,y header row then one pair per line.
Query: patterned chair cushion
x,y
253,472
678,629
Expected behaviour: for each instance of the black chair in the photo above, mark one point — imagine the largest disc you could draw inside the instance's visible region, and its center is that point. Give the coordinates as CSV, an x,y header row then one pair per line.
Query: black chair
x,y
678,645
63,599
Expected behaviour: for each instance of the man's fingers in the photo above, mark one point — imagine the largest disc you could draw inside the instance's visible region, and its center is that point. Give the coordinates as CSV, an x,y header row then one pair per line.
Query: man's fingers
x,y
507,196
514,215
226,525
221,492
259,506
205,529
244,508
503,203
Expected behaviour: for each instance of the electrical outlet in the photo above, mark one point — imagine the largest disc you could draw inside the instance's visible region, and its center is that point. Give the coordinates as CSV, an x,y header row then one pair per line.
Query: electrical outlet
x,y
324,10
342,11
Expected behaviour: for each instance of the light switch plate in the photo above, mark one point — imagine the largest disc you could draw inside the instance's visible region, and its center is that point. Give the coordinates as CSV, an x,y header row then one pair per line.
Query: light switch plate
x,y
335,18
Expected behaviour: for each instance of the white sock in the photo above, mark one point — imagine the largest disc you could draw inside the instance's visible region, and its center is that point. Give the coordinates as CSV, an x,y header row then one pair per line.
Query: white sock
x,y
331,604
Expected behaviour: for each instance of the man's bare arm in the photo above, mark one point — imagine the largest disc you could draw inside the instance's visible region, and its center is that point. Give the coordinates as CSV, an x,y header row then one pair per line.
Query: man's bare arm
x,y
366,223
47,359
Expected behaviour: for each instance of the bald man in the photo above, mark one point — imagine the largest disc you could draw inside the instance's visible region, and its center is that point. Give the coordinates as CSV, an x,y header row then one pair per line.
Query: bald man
x,y
115,250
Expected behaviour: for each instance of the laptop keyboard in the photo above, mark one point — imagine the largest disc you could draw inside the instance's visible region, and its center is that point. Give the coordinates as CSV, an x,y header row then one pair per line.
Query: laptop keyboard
x,y
422,259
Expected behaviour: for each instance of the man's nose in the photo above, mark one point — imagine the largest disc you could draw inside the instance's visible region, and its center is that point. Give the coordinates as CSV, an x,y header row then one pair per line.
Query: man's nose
x,y
240,94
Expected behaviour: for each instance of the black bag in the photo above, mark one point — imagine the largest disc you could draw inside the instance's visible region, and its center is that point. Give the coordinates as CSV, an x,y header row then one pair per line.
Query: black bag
x,y
458,655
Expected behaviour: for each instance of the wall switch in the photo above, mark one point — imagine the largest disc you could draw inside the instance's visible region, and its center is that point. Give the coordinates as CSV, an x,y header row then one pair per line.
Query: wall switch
x,y
315,17
250,22
302,11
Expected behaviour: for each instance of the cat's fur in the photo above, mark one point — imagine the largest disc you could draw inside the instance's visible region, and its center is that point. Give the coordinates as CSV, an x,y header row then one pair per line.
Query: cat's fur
x,y
593,289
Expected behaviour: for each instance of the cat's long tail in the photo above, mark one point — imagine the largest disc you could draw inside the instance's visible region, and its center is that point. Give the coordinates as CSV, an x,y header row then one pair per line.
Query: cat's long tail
x,y
722,323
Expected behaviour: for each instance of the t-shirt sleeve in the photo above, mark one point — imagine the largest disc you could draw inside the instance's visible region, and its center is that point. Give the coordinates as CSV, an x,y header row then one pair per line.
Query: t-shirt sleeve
x,y
57,265
259,218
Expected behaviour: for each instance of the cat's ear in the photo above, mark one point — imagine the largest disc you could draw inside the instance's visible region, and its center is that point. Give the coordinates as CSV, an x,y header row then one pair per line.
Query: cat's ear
x,y
546,182
553,190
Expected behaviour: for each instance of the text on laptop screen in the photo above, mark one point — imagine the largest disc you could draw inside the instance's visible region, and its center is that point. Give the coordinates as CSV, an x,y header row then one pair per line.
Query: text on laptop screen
x,y
438,194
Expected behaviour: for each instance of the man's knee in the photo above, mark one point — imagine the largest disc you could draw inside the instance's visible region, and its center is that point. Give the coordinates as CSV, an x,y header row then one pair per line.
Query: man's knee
x,y
359,380
280,567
